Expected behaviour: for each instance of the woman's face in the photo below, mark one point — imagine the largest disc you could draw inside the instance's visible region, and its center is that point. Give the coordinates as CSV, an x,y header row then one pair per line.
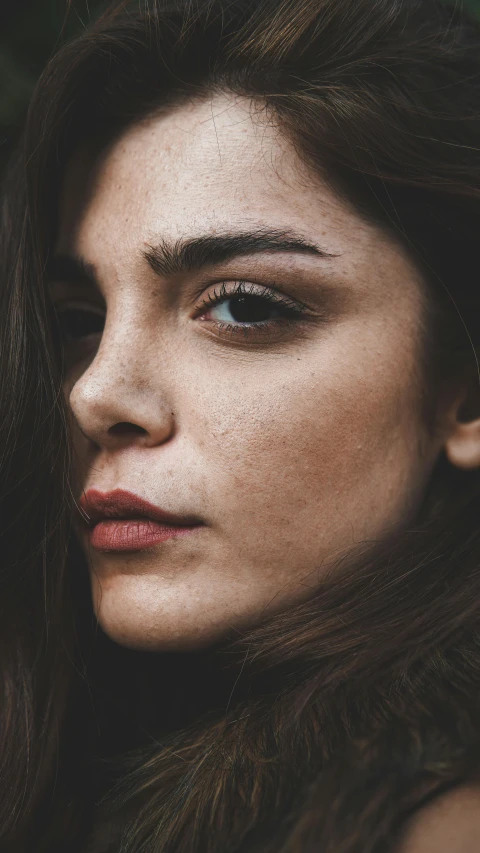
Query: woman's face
x,y
257,372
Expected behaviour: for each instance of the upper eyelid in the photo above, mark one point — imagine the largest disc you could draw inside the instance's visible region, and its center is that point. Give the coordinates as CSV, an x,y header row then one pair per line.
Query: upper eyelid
x,y
64,294
269,292
71,293
78,304
59,289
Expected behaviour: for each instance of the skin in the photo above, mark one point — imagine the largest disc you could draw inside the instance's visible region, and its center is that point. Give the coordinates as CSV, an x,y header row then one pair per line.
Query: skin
x,y
450,824
293,447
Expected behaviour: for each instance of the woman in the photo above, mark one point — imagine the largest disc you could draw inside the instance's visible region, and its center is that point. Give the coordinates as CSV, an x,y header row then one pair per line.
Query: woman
x,y
241,434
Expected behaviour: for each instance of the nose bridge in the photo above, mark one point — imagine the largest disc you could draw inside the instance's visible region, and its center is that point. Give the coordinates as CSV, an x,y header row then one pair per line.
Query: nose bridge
x,y
124,384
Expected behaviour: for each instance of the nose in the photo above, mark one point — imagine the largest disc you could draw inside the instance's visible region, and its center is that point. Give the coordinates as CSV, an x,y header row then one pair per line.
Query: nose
x,y
115,405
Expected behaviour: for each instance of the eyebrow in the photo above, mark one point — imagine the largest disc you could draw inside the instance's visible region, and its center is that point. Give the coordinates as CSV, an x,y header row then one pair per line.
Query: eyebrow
x,y
70,269
171,258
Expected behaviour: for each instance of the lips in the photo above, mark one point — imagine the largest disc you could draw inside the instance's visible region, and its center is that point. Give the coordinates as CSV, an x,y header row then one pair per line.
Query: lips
x,y
122,521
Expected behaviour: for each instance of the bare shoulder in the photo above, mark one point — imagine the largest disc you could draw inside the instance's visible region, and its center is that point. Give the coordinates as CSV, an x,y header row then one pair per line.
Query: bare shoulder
x,y
450,824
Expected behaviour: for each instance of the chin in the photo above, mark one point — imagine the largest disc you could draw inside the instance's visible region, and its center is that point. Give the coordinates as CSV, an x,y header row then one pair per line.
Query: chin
x,y
156,623
147,638
138,639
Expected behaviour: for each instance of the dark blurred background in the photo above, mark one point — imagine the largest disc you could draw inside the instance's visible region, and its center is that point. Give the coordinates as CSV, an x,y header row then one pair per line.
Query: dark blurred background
x,y
30,31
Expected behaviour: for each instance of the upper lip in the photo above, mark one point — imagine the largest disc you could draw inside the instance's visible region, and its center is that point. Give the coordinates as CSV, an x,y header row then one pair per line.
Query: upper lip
x,y
119,503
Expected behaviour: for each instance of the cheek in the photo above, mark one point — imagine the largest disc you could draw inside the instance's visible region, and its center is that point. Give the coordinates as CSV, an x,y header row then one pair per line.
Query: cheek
x,y
335,445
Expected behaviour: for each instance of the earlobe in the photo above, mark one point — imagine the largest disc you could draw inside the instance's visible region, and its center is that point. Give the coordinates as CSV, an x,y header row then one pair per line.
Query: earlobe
x,y
462,447
462,441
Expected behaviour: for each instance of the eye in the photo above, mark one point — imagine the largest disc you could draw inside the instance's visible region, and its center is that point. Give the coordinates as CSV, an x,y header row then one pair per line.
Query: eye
x,y
250,309
79,323
245,309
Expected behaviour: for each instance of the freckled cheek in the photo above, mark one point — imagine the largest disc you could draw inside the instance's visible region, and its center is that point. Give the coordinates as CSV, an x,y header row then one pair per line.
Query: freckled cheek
x,y
304,441
264,438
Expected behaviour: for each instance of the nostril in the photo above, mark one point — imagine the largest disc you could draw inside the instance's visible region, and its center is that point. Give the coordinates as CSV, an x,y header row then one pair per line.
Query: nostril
x,y
126,428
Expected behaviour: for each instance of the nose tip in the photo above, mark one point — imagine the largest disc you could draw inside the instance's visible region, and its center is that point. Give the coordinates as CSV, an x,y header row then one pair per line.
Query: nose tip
x,y
114,413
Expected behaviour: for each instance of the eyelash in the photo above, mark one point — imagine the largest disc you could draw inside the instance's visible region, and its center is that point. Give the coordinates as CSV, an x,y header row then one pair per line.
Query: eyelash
x,y
292,310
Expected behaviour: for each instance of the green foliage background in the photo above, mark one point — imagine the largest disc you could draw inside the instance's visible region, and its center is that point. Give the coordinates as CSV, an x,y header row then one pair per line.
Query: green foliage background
x,y
30,31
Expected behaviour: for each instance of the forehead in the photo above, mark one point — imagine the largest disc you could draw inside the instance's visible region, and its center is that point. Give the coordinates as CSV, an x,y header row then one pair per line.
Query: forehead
x,y
199,166
210,167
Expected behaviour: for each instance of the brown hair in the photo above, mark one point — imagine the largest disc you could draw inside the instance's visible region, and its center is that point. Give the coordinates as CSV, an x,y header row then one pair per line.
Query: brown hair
x,y
343,714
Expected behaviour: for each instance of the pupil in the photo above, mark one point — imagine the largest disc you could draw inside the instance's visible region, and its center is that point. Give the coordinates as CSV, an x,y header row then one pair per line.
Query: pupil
x,y
80,324
249,309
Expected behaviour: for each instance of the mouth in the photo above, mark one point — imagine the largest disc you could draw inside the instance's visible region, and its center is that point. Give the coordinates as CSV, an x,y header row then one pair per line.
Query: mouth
x,y
122,521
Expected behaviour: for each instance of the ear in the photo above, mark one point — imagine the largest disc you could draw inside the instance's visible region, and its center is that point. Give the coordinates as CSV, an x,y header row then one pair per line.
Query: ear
x,y
448,824
462,443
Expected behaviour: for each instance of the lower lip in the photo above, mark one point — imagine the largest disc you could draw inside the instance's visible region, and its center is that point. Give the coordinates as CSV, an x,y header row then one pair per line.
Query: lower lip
x,y
133,534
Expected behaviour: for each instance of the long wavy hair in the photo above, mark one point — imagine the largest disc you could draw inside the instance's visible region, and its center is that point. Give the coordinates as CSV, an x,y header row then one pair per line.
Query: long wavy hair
x,y
328,725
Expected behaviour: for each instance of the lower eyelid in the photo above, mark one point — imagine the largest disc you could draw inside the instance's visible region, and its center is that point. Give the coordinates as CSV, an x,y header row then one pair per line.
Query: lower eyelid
x,y
259,334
